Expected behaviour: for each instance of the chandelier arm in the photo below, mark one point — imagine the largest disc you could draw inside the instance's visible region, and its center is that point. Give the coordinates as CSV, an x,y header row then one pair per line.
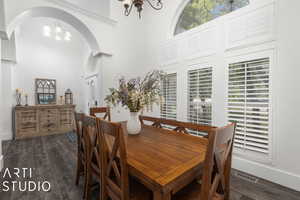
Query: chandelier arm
x,y
159,5
128,10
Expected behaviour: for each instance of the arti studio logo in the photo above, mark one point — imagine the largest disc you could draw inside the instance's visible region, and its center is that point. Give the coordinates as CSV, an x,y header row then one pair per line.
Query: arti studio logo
x,y
21,179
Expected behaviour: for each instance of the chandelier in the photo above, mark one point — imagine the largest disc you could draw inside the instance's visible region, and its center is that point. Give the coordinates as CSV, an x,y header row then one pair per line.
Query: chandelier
x,y
128,5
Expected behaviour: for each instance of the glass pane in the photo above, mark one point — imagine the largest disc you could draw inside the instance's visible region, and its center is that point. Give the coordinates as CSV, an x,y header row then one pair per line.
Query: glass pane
x,y
198,12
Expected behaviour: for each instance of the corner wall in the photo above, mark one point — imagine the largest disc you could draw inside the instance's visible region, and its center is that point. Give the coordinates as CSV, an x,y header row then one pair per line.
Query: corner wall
x,y
1,117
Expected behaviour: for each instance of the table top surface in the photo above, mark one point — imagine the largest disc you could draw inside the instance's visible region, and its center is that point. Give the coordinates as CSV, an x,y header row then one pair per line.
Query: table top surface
x,y
162,155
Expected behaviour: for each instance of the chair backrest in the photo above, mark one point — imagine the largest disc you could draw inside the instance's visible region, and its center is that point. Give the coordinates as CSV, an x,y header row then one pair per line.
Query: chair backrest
x,y
79,118
115,183
183,127
217,167
90,136
105,110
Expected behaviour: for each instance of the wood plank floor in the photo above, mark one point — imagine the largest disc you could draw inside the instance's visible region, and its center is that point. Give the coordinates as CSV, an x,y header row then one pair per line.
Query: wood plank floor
x,y
53,159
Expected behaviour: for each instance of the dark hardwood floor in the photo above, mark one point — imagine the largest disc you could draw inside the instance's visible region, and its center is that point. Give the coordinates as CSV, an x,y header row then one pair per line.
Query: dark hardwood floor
x,y
53,159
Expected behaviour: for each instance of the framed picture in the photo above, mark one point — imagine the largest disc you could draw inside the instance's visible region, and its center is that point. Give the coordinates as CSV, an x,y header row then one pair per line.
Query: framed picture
x,y
45,91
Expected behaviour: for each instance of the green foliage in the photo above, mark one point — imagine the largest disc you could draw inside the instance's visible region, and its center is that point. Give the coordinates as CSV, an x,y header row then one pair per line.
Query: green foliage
x,y
198,12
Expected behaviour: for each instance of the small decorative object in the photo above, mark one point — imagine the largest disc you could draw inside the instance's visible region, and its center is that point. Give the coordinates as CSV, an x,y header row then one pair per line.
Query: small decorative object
x,y
18,96
26,99
136,94
68,97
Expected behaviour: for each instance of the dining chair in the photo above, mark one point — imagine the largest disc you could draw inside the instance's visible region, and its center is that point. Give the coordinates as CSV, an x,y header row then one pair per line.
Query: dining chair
x,y
216,171
81,148
97,110
116,183
178,126
93,175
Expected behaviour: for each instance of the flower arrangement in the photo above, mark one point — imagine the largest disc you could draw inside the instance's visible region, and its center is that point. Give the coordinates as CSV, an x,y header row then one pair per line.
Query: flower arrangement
x,y
137,94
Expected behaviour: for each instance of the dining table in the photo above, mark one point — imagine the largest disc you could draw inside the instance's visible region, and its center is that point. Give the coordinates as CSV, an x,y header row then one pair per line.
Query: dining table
x,y
164,160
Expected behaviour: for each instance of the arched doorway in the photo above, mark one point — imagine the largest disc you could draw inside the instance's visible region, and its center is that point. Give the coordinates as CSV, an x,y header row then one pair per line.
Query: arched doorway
x,y
49,13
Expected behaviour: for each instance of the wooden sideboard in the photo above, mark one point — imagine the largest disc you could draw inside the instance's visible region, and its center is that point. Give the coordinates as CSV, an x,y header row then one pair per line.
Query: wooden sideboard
x,y
41,120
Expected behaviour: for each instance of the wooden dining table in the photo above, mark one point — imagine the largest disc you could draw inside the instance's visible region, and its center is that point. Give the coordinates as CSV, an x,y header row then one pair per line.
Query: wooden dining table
x,y
164,160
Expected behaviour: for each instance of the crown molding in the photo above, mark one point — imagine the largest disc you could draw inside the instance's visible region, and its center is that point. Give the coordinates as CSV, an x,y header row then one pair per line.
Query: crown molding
x,y
82,11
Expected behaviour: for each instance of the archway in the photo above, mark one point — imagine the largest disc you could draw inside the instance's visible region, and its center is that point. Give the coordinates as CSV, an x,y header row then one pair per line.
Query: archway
x,y
58,14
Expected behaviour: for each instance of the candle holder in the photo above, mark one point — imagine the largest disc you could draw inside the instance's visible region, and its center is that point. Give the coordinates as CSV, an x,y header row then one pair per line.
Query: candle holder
x,y
26,100
18,97
61,101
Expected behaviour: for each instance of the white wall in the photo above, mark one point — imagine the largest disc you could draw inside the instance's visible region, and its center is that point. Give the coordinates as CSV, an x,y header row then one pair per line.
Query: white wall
x,y
1,113
42,57
2,19
288,87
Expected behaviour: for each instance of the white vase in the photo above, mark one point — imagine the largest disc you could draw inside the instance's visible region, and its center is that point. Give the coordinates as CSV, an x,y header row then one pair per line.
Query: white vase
x,y
134,124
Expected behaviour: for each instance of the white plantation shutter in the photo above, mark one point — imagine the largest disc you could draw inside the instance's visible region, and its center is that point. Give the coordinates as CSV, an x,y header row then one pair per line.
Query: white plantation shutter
x,y
249,104
169,92
200,86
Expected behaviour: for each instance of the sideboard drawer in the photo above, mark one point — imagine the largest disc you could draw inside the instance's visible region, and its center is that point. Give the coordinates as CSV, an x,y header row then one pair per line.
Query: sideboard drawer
x,y
48,127
48,113
26,122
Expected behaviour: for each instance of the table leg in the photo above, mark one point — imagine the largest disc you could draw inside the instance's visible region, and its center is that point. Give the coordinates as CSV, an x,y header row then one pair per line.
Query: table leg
x,y
159,195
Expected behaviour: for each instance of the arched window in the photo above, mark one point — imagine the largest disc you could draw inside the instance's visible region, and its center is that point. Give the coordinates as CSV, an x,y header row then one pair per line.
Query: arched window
x,y
198,12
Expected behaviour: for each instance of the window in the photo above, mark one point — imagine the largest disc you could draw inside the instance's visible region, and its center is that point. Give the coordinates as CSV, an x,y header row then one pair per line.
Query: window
x,y
198,12
199,96
249,104
169,93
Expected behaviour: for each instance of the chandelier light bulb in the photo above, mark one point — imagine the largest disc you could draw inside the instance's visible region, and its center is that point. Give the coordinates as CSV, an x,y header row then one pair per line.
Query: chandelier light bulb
x,y
197,100
127,3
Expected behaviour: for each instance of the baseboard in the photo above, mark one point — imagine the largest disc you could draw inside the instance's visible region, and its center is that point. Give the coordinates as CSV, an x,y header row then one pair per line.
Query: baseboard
x,y
269,173
4,136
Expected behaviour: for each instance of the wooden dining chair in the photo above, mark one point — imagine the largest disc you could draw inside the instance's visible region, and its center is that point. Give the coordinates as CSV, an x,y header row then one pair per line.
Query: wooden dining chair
x,y
116,183
216,172
81,148
97,110
178,126
93,169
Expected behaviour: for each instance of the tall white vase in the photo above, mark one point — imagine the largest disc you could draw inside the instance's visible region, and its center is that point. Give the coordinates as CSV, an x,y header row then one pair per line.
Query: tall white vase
x,y
134,124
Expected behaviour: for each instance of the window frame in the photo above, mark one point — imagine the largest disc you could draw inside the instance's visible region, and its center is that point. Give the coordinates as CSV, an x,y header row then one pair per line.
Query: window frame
x,y
180,11
170,73
244,57
200,64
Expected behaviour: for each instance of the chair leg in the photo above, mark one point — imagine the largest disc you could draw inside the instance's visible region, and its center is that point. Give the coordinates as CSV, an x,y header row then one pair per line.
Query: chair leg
x,y
88,184
227,172
85,182
78,172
